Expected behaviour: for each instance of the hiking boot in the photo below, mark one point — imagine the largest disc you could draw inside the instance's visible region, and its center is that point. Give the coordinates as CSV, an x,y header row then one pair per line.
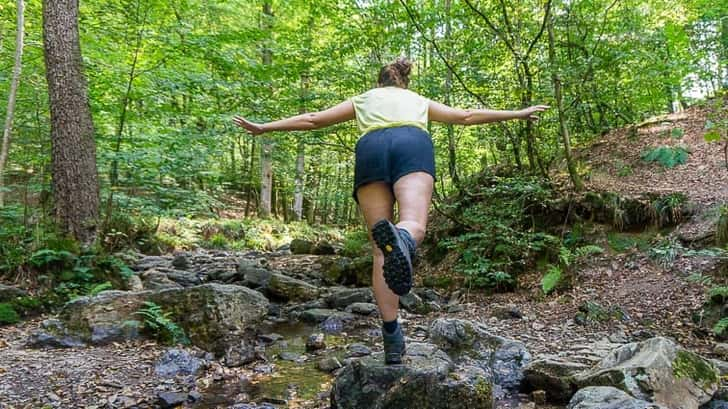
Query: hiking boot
x,y
397,256
394,346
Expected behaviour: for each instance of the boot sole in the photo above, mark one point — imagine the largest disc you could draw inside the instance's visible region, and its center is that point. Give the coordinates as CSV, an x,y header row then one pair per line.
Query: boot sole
x,y
397,263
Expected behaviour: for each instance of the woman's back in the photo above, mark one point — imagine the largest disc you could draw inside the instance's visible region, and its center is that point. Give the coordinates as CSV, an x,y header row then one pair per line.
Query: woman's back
x,y
386,107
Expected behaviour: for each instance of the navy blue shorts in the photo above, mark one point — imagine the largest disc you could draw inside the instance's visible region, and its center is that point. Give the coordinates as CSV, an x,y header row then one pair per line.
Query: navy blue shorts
x,y
385,155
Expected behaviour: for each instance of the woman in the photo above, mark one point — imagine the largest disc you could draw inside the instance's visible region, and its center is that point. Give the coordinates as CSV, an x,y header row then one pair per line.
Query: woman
x,y
394,163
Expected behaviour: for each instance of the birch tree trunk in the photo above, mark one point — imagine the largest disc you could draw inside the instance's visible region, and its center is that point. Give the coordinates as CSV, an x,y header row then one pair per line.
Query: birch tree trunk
x,y
266,149
73,149
4,151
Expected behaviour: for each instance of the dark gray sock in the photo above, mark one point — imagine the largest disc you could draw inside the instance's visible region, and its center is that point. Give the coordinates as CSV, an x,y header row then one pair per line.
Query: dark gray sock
x,y
390,326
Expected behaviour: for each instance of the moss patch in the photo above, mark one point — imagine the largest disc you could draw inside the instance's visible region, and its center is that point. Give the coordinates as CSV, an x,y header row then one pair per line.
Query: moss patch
x,y
690,365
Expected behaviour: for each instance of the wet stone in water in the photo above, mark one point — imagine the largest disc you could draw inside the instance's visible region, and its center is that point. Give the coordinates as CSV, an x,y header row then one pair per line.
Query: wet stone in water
x,y
332,325
315,342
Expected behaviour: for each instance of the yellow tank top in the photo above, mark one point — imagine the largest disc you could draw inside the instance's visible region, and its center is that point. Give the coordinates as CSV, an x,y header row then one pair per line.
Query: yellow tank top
x,y
387,107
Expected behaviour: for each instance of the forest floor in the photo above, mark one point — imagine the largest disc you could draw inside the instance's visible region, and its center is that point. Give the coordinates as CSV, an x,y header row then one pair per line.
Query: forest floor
x,y
652,297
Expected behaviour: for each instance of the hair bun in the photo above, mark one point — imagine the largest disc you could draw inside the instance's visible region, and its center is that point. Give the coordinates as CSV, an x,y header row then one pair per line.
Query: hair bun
x,y
403,65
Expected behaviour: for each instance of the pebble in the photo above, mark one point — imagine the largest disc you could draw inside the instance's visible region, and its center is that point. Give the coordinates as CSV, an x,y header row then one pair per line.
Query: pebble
x,y
315,342
357,350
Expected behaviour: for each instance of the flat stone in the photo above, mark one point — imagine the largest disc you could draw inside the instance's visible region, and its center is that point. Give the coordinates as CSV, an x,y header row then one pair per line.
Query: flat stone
x,y
169,400
318,315
602,397
362,308
357,350
329,364
176,362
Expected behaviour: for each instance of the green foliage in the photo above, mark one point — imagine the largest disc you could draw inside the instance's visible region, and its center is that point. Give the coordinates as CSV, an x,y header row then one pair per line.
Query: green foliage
x,y
356,243
497,242
718,295
97,288
677,133
592,311
624,171
8,315
551,280
719,329
667,156
668,209
159,324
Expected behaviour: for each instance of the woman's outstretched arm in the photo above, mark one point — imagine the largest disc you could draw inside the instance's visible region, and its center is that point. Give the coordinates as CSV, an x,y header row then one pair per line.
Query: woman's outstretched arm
x,y
443,113
304,122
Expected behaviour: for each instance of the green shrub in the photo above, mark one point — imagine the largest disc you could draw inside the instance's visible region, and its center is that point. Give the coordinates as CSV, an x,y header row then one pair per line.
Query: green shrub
x,y
720,327
668,210
667,156
160,324
718,295
356,243
551,280
8,315
677,133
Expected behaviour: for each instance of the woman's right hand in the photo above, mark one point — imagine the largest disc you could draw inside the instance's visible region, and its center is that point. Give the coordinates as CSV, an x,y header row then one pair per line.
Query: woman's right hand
x,y
252,127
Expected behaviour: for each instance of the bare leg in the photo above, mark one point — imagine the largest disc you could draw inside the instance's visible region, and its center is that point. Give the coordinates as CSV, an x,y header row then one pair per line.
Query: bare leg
x,y
376,202
414,193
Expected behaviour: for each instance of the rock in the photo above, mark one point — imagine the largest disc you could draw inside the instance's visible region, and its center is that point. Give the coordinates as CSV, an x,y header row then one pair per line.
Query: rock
x,y
210,314
169,400
721,349
157,280
468,340
539,397
656,370
318,315
362,308
53,334
239,353
508,312
184,278
329,364
554,375
290,289
269,339
289,356
178,362
323,248
346,271
181,262
605,397
715,404
357,350
300,246
134,283
428,380
257,278
332,325
315,342
151,262
413,303
344,297
10,293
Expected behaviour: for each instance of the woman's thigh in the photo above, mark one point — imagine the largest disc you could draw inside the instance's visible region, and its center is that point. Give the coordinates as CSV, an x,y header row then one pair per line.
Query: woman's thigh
x,y
414,193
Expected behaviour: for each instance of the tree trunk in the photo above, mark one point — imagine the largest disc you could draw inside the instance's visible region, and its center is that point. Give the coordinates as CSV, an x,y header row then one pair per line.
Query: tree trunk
x,y
266,149
12,96
563,129
73,152
300,158
451,153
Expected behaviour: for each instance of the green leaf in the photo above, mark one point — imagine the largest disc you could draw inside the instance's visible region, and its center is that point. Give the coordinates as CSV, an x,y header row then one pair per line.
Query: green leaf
x,y
550,281
712,136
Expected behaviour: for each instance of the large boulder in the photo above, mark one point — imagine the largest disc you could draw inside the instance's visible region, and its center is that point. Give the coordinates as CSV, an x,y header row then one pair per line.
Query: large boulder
x,y
286,288
555,375
606,397
429,379
346,271
344,297
656,370
210,314
471,343
10,293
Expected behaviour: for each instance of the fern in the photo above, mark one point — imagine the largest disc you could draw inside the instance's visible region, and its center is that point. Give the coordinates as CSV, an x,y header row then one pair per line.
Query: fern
x,y
720,327
666,156
551,280
718,295
160,324
97,288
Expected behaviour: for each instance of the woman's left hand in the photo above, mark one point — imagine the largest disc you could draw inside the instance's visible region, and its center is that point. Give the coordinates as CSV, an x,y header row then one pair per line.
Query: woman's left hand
x,y
530,112
252,127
